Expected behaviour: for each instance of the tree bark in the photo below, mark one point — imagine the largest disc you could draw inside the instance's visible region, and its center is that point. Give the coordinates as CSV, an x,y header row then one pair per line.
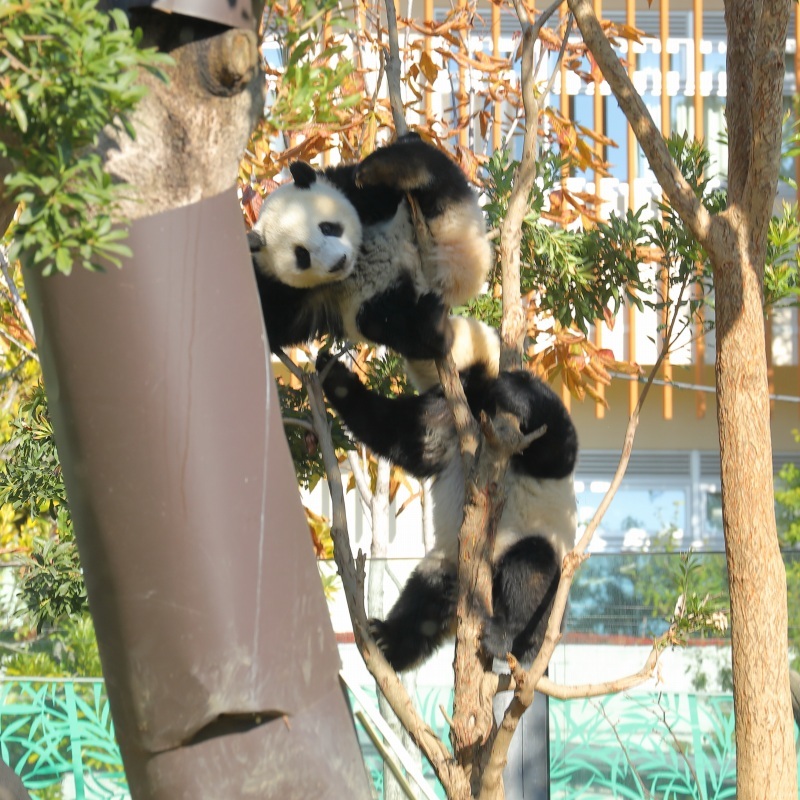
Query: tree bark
x,y
736,243
766,760
765,754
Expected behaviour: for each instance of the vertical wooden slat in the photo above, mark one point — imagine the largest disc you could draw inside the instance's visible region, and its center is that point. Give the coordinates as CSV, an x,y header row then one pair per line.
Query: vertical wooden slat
x,y
699,133
497,110
566,396
428,48
633,145
598,123
797,174
665,130
463,103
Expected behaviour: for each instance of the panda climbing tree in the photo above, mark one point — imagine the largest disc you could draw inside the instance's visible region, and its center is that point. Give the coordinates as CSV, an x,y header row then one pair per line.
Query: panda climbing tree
x,y
319,277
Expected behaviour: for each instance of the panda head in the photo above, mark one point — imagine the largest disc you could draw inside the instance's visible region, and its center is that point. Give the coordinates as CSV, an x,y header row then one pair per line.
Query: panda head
x,y
308,233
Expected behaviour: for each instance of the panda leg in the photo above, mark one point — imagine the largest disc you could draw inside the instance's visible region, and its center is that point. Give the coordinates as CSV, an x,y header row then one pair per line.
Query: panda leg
x,y
422,617
412,165
523,589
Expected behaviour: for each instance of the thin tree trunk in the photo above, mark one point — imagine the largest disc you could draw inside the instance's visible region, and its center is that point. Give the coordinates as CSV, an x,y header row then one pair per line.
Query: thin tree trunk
x,y
766,765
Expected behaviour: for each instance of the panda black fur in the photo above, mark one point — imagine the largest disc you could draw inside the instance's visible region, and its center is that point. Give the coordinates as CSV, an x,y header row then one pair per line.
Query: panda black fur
x,y
335,252
538,522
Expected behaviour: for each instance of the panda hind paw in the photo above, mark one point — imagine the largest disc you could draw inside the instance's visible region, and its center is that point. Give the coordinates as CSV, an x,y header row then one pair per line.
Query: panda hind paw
x,y
403,166
399,653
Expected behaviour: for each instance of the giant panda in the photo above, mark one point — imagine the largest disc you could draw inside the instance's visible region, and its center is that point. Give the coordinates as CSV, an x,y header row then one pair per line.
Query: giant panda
x,y
538,522
336,252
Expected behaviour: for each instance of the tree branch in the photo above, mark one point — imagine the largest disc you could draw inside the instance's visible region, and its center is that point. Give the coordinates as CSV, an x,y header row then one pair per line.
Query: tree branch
x,y
393,71
512,327
352,575
527,682
766,72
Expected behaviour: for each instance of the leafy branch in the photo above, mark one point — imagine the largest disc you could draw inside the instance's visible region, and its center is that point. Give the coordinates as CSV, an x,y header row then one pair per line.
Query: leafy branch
x,y
57,93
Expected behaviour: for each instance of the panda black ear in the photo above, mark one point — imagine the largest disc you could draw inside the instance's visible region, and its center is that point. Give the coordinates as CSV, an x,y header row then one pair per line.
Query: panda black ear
x,y
304,174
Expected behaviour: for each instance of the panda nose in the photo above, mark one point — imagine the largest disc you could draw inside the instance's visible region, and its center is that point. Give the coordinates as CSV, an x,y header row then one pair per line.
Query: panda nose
x,y
340,264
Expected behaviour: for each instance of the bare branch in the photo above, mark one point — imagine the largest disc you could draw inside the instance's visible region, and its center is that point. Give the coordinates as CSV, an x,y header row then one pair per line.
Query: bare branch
x,y
560,692
16,299
512,327
352,575
298,423
393,71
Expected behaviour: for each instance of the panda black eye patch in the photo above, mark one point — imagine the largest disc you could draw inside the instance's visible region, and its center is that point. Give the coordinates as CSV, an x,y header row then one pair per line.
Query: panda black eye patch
x,y
331,229
302,257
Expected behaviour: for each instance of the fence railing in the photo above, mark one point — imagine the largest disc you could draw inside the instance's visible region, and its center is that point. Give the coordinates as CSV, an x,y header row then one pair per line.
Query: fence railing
x,y
58,736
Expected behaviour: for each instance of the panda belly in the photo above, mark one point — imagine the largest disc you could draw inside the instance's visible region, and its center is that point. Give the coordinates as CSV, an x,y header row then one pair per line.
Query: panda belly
x,y
388,254
545,509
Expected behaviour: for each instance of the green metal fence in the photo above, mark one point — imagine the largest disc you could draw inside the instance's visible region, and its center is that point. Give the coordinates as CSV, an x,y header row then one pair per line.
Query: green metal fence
x,y
58,736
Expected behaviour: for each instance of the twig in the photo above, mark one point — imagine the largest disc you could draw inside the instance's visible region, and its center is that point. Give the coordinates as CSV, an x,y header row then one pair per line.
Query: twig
x,y
393,71
16,299
677,745
298,423
624,750
561,52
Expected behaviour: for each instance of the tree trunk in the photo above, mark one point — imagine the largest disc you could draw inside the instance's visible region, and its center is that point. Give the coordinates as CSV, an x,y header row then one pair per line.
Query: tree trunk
x,y
766,766
766,761
219,657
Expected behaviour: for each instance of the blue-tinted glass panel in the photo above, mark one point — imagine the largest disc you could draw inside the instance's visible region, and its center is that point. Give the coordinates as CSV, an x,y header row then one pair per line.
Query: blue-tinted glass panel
x,y
640,519
616,129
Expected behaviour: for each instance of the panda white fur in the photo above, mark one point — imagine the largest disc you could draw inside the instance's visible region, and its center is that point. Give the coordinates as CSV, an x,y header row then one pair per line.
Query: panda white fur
x,y
336,253
538,522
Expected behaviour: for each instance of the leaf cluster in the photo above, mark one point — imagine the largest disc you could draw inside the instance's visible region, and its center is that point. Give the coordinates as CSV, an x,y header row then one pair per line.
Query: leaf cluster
x,y
32,483
584,273
696,612
314,79
787,503
69,650
67,70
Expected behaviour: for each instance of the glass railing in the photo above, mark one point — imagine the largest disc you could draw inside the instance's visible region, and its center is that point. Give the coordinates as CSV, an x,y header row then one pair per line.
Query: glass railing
x,y
674,739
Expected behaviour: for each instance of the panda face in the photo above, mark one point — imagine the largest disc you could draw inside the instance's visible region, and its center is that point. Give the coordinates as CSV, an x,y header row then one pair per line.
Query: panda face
x,y
306,236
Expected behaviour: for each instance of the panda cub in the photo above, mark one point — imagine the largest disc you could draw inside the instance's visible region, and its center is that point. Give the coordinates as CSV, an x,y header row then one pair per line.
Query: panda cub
x,y
538,522
335,252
